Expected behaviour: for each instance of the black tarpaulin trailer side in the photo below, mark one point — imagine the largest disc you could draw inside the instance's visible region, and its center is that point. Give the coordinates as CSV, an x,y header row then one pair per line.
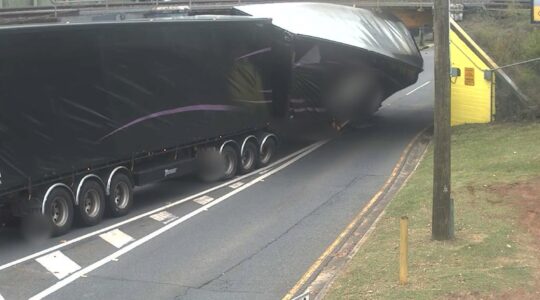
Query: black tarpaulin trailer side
x,y
79,96
344,59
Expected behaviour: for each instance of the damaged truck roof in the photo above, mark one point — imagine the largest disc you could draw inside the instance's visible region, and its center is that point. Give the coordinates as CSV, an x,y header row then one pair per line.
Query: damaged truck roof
x,y
375,32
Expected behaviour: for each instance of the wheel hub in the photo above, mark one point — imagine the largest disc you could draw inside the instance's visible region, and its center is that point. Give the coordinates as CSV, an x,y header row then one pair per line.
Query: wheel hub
x,y
59,212
247,159
229,161
92,203
266,153
121,195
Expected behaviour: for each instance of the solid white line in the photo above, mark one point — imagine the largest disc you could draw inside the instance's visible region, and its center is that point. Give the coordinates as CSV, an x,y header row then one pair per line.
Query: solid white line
x,y
1,298
94,233
416,89
62,283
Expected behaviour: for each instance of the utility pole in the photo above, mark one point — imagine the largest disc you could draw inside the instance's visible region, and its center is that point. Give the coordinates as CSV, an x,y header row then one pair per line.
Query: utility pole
x,y
443,207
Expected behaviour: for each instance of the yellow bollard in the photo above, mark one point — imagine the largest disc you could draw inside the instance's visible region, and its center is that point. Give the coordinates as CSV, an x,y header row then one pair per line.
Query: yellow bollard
x,y
403,249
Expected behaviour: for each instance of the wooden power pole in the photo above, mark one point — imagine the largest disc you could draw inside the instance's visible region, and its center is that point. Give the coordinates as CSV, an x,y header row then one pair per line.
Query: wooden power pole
x,y
443,208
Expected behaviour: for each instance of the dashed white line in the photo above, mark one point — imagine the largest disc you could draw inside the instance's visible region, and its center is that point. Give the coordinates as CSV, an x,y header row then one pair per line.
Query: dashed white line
x,y
164,217
117,238
417,88
203,200
58,264
135,218
236,185
71,278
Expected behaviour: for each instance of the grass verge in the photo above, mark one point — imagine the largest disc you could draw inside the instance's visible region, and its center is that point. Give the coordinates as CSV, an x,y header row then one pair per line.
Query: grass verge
x,y
494,254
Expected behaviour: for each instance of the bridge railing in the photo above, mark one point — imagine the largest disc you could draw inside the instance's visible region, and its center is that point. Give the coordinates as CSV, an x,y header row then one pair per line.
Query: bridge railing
x,y
28,4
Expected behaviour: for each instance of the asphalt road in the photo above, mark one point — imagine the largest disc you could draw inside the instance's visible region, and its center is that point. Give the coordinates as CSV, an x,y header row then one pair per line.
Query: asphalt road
x,y
251,238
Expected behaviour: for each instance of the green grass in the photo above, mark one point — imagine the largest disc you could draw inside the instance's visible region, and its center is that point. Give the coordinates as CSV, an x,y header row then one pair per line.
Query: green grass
x,y
491,252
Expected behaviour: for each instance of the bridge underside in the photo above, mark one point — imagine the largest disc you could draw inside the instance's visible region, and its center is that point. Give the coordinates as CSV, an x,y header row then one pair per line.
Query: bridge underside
x,y
413,14
413,18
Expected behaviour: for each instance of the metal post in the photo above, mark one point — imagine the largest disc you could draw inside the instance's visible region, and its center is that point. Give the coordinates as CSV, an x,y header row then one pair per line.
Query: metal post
x,y
403,249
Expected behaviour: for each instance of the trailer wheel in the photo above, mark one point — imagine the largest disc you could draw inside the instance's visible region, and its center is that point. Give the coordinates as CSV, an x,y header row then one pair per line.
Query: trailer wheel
x,y
248,158
230,161
120,196
91,203
267,152
59,211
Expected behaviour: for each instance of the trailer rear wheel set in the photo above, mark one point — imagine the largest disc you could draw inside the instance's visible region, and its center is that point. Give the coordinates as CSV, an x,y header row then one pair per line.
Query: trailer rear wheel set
x,y
111,193
120,196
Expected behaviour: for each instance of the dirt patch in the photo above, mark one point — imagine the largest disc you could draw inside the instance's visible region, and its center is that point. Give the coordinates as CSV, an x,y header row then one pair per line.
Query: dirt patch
x,y
514,294
526,197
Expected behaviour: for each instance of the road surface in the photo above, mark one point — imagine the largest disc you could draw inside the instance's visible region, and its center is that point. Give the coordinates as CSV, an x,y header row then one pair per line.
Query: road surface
x,y
251,238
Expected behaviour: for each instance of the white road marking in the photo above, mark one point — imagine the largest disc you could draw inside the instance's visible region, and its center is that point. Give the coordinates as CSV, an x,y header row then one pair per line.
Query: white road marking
x,y
62,283
303,296
135,218
58,264
117,238
164,217
416,89
203,200
1,298
236,185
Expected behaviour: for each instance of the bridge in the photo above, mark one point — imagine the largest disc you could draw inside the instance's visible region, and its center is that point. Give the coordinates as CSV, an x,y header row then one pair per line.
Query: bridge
x,y
414,13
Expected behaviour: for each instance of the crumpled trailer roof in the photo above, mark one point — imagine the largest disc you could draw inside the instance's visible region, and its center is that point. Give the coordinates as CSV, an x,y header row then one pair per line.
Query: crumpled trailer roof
x,y
345,60
376,32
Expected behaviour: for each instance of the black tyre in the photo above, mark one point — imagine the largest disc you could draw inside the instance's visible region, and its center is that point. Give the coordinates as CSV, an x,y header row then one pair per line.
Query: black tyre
x,y
59,211
230,162
91,203
120,197
267,152
248,158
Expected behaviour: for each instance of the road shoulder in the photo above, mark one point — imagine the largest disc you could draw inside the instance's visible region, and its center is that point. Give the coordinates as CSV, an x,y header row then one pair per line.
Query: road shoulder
x,y
495,254
319,277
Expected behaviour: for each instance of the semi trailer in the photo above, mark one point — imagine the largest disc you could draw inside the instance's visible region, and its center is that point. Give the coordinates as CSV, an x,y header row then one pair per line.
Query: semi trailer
x,y
90,110
95,104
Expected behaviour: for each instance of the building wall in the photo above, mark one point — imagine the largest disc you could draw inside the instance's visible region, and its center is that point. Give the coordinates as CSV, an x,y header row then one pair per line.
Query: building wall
x,y
471,94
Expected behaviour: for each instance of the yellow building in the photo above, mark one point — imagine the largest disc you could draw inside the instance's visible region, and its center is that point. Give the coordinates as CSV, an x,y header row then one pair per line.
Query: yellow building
x,y
536,11
472,94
